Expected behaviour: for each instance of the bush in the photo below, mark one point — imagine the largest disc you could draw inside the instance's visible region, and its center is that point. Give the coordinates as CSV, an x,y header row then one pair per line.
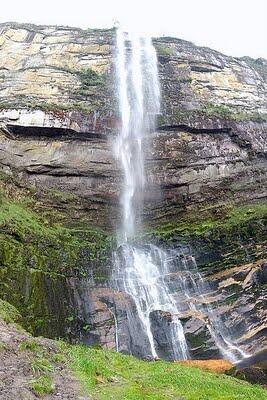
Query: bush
x,y
89,77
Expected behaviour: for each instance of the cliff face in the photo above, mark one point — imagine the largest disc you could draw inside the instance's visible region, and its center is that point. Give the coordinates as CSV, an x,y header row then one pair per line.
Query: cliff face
x,y
57,94
206,171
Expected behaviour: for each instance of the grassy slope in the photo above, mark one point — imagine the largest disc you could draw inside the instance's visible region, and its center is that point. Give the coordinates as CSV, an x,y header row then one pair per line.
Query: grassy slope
x,y
109,375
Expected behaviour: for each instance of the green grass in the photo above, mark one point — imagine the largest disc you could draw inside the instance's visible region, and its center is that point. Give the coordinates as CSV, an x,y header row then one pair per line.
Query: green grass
x,y
42,385
30,345
107,375
40,365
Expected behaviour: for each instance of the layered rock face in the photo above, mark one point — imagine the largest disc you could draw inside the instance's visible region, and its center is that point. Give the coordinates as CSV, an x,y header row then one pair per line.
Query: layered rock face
x,y
58,121
58,105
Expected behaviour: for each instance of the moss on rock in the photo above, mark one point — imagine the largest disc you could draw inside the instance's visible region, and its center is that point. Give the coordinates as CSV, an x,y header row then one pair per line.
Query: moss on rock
x,y
234,218
37,258
219,240
9,313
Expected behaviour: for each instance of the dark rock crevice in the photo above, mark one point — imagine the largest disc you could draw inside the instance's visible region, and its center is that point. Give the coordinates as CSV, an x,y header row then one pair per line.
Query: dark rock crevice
x,y
187,128
42,132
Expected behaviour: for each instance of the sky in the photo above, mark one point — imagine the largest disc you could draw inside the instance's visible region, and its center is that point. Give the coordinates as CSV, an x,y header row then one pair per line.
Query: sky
x,y
234,27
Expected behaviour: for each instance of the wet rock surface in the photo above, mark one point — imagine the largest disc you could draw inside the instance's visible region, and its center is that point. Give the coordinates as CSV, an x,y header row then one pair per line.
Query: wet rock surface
x,y
252,375
252,369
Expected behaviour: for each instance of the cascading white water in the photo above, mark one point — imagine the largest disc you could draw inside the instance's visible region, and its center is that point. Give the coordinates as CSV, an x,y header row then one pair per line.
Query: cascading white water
x,y
143,272
197,292
137,271
139,102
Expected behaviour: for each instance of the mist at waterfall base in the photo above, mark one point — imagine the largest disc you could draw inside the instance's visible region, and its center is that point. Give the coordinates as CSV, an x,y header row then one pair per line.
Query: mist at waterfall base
x,y
163,284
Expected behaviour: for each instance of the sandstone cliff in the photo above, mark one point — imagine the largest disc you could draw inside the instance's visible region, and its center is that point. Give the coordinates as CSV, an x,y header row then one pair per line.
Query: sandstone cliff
x,y
206,168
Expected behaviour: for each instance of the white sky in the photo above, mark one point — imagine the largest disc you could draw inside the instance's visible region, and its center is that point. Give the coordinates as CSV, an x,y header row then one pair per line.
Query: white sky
x,y
234,27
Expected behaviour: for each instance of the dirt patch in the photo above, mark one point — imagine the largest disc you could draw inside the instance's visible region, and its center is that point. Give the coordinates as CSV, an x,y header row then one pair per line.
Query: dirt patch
x,y
216,366
33,368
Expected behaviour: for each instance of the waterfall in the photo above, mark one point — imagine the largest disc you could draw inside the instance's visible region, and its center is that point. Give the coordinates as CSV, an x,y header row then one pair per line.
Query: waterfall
x,y
139,102
138,271
197,293
143,272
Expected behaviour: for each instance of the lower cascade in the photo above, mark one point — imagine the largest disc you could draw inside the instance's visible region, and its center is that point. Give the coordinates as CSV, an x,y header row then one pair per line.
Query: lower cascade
x,y
142,274
164,285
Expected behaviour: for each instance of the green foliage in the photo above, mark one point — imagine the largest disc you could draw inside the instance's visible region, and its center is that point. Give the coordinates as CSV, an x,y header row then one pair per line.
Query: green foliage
x,y
184,79
90,85
89,77
42,385
107,375
217,110
59,358
226,112
29,345
164,51
233,219
3,346
9,313
40,365
255,117
4,177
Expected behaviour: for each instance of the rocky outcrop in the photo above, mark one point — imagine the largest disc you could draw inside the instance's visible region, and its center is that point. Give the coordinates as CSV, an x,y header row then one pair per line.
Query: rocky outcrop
x,y
59,117
239,296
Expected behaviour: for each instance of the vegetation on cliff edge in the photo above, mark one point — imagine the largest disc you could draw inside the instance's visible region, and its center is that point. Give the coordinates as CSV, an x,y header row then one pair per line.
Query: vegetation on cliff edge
x,y
235,218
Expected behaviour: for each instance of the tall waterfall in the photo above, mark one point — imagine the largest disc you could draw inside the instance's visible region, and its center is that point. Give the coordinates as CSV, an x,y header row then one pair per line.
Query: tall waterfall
x,y
138,271
139,102
143,272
